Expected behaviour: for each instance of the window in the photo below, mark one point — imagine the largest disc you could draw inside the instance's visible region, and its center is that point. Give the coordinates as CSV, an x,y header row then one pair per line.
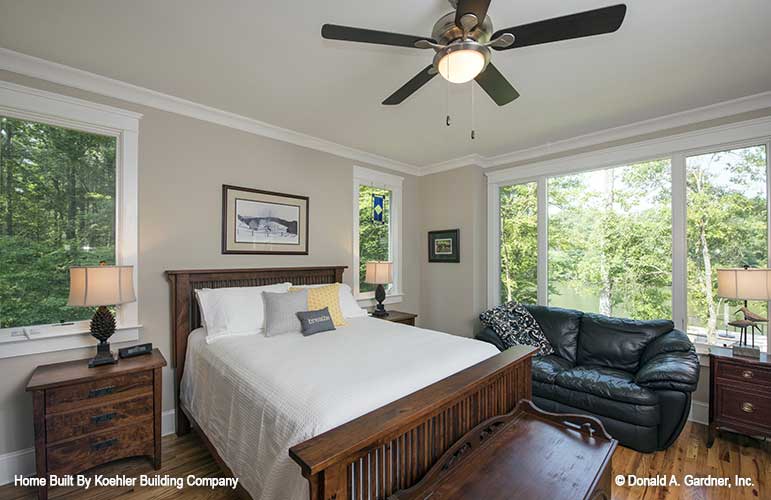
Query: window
x,y
727,228
57,206
638,230
68,196
519,242
376,235
610,241
374,230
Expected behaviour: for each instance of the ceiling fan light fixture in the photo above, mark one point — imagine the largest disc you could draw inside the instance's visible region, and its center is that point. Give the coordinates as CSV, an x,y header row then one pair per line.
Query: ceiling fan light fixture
x,y
461,62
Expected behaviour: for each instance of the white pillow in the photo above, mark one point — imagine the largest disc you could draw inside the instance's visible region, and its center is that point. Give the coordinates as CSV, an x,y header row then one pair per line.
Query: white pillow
x,y
234,311
348,305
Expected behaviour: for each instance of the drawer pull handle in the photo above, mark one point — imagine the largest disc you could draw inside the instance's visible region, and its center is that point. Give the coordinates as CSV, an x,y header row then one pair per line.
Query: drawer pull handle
x,y
747,374
748,407
101,445
98,419
95,393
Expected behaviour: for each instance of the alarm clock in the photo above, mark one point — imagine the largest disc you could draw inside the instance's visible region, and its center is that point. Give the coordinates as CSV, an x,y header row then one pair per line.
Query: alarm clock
x,y
135,350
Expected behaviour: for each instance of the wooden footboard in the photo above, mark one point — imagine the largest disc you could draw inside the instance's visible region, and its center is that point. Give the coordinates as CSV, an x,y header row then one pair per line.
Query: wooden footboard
x,y
392,448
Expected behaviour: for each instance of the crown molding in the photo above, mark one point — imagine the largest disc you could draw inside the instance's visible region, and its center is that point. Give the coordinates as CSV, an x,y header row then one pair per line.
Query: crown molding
x,y
672,121
730,135
35,67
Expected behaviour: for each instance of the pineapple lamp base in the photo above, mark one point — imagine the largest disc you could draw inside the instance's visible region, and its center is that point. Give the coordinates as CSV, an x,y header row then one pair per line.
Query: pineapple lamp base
x,y
102,328
103,356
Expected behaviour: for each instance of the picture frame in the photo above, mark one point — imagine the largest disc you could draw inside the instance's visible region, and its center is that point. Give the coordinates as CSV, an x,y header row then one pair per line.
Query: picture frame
x,y
258,222
444,246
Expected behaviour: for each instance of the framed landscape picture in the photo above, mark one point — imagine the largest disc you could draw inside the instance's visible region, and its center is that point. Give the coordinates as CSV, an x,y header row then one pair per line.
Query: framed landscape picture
x,y
443,246
263,222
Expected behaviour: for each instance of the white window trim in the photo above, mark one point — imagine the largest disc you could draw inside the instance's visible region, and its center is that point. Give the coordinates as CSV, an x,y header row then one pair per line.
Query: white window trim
x,y
394,183
676,148
54,109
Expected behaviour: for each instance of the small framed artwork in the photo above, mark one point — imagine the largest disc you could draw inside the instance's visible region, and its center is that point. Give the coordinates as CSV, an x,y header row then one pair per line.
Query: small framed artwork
x,y
443,246
263,222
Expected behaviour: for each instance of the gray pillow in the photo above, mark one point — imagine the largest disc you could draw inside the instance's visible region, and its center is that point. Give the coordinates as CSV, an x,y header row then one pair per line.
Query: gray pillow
x,y
316,321
281,311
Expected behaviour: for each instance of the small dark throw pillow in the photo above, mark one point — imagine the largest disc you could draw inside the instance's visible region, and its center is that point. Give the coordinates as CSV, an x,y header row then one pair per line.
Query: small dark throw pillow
x,y
514,325
316,321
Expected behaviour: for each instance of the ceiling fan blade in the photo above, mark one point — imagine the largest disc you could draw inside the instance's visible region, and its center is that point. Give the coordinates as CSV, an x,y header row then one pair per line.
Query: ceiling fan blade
x,y
350,34
411,87
496,85
589,23
476,7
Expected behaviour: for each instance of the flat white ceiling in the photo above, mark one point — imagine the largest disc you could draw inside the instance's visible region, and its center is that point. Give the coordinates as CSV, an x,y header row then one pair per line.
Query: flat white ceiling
x,y
266,60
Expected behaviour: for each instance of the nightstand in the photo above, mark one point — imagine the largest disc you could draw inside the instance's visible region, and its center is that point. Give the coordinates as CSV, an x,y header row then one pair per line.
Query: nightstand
x,y
400,317
739,394
84,417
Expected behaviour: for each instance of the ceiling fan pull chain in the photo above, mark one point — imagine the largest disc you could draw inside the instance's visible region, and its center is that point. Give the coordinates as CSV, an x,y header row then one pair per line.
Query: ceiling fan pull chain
x,y
447,99
473,132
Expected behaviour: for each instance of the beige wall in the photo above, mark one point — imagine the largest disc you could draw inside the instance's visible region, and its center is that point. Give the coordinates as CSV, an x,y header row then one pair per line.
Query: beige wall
x,y
182,165
453,295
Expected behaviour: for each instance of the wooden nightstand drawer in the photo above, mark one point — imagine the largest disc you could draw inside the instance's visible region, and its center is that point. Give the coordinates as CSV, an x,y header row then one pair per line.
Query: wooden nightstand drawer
x,y
77,423
751,374
75,396
84,453
745,407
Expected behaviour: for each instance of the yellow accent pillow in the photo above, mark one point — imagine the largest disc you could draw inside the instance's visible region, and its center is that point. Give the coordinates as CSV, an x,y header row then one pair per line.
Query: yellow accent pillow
x,y
325,296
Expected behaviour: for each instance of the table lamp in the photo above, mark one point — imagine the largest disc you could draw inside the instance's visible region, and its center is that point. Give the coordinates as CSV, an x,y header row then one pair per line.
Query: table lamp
x,y
745,284
379,273
101,286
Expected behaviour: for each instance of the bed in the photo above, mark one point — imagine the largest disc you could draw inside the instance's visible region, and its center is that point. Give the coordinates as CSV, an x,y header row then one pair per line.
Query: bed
x,y
358,413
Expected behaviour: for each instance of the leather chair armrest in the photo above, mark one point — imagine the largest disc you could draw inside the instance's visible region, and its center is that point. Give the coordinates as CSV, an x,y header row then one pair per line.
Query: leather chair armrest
x,y
487,335
674,341
677,371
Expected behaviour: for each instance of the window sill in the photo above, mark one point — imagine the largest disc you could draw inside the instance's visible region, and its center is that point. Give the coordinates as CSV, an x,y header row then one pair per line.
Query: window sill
x,y
77,337
394,298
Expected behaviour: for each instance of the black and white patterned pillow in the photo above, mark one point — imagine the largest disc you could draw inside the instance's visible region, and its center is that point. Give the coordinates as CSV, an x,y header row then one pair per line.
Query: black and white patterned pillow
x,y
514,325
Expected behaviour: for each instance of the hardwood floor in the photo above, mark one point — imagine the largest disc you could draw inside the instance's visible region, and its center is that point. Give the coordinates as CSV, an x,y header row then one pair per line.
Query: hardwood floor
x,y
730,455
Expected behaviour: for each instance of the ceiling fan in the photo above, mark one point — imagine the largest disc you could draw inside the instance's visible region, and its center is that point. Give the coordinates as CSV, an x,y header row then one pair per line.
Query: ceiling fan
x,y
462,41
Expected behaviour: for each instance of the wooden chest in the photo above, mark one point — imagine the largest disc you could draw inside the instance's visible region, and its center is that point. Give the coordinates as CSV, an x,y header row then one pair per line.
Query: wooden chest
x,y
528,454
85,416
739,394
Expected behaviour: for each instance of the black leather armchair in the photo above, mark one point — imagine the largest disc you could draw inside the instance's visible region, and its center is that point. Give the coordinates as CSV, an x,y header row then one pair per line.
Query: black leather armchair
x,y
635,376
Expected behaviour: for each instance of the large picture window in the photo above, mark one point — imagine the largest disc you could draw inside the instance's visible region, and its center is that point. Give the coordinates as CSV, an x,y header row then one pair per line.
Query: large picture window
x,y
639,231
519,242
57,210
727,228
610,241
68,197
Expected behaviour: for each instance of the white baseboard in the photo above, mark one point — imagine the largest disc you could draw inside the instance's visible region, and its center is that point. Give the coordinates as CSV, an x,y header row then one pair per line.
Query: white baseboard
x,y
699,412
168,422
15,463
22,462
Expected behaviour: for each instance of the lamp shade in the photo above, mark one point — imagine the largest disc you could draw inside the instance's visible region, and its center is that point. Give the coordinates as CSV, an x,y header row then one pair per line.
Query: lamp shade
x,y
379,273
101,286
744,284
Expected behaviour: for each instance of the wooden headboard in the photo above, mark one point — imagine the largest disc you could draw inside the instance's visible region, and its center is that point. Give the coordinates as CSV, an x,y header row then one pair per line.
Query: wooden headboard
x,y
185,316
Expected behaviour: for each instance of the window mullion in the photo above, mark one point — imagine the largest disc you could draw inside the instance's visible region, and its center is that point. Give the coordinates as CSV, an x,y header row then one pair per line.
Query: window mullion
x,y
542,254
679,243
768,231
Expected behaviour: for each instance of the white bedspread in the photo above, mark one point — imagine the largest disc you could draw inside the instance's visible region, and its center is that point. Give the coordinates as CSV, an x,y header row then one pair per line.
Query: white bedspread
x,y
255,396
